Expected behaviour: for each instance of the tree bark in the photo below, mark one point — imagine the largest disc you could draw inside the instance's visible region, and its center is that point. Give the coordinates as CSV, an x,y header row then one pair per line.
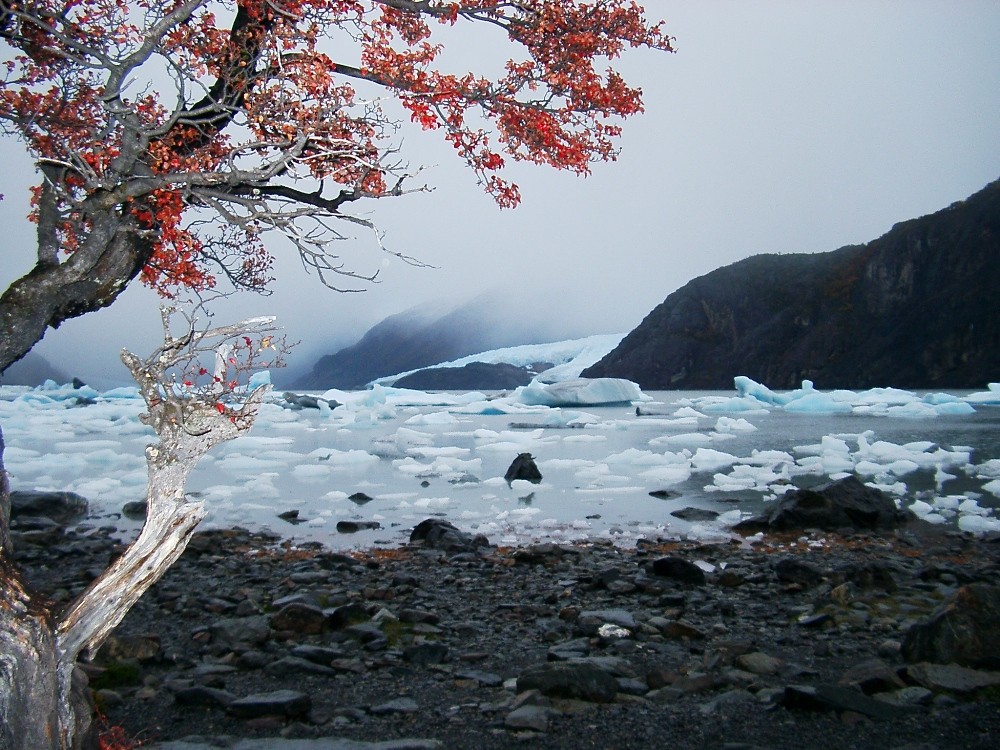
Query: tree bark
x,y
44,699
88,280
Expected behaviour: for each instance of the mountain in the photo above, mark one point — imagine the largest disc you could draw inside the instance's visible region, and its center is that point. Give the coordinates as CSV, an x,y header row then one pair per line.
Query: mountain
x,y
430,335
33,369
915,308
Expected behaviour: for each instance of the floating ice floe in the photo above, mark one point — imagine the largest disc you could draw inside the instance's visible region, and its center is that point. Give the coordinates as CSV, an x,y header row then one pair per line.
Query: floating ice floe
x,y
580,392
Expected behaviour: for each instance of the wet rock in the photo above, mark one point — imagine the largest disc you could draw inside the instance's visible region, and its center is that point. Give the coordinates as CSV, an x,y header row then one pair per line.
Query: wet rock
x,y
680,570
135,510
360,498
523,467
62,507
291,516
963,631
845,503
691,514
439,534
565,679
352,527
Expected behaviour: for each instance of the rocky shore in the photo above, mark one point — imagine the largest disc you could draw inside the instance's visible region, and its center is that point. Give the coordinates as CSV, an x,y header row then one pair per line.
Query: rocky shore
x,y
792,640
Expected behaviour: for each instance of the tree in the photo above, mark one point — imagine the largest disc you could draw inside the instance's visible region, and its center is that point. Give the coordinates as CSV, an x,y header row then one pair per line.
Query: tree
x,y
172,136
43,703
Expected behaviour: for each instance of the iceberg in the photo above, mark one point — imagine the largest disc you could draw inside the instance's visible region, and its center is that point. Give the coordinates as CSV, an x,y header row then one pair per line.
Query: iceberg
x,y
580,392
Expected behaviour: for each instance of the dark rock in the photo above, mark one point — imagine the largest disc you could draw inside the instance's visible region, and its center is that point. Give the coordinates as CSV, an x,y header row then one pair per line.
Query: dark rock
x,y
135,510
253,630
437,533
952,678
690,514
61,507
567,679
317,654
835,698
292,664
846,503
352,527
288,703
292,516
139,647
305,401
397,706
858,317
679,569
345,615
871,575
523,467
793,570
534,718
964,630
298,617
873,676
360,498
202,695
426,653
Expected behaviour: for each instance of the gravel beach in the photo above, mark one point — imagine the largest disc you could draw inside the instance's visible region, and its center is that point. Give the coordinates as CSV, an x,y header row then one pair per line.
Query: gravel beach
x,y
790,641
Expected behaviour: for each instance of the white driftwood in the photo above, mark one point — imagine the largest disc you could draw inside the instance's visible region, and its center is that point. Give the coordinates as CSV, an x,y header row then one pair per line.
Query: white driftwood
x,y
40,701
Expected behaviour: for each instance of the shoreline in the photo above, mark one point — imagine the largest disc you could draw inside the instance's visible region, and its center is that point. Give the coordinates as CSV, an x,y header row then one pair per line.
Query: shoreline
x,y
721,648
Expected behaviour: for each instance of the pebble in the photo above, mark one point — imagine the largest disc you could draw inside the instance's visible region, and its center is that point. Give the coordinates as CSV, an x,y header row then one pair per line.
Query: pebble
x,y
261,634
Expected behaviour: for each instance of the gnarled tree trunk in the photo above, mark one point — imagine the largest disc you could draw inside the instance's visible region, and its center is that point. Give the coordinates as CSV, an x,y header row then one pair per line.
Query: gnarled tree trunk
x,y
44,699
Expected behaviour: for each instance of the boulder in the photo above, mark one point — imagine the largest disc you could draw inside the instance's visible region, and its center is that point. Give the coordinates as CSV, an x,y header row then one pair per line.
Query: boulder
x,y
523,467
440,534
299,617
61,507
843,504
570,679
963,631
679,569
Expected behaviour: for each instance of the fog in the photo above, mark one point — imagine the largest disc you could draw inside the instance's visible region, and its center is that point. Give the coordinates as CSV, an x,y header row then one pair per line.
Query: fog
x,y
776,127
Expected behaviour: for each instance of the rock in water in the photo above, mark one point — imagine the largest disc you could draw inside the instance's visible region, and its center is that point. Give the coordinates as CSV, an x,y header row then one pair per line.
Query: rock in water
x,y
964,631
61,507
846,503
439,534
523,467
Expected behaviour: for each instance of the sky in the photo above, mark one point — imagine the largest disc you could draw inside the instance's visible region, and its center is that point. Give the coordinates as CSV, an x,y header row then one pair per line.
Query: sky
x,y
778,126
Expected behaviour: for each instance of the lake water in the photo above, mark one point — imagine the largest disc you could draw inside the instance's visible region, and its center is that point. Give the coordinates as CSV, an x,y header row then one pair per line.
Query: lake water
x,y
420,460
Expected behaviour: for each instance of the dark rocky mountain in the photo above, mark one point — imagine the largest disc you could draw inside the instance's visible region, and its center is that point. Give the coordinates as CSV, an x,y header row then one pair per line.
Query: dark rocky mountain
x,y
32,370
473,376
427,336
916,308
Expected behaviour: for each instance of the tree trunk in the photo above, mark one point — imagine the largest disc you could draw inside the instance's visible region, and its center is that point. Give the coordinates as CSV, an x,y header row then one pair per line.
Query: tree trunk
x,y
38,694
44,699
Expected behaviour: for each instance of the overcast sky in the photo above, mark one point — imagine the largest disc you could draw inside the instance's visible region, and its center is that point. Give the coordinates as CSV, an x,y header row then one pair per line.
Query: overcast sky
x,y
778,126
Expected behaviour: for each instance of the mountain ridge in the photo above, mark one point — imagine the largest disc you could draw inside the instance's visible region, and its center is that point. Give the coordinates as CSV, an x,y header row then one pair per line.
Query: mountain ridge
x,y
914,308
